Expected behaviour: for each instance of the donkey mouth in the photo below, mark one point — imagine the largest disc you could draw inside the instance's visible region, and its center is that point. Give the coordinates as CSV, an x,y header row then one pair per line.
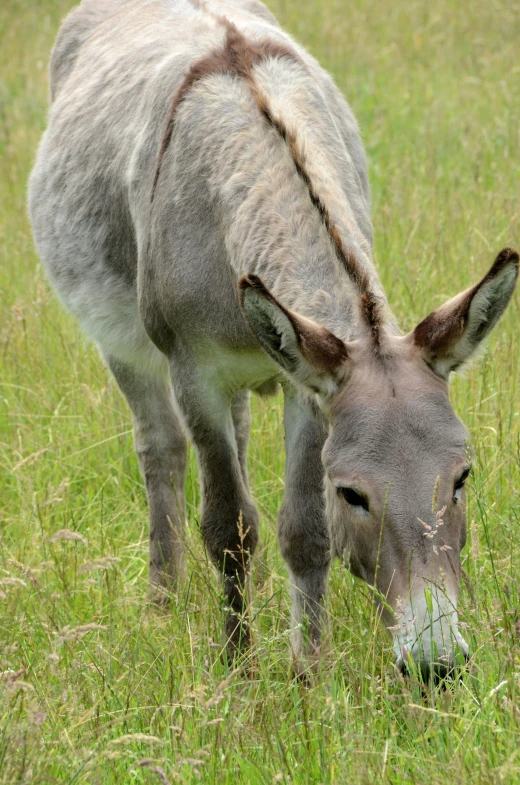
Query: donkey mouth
x,y
435,669
436,673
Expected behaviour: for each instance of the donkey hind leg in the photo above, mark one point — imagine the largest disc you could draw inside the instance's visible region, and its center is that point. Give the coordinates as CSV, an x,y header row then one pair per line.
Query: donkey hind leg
x,y
161,448
241,413
302,528
229,519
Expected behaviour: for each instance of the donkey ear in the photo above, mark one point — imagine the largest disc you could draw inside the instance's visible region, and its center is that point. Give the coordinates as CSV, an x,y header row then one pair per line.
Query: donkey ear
x,y
308,353
450,335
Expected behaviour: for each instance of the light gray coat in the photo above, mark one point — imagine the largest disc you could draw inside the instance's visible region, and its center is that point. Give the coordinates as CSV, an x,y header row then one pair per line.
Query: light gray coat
x,y
195,145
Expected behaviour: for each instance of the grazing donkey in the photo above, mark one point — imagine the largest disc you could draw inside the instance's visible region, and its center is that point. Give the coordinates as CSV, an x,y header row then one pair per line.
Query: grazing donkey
x,y
201,205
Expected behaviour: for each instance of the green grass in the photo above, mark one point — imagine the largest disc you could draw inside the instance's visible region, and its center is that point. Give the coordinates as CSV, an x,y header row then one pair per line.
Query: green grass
x,y
436,89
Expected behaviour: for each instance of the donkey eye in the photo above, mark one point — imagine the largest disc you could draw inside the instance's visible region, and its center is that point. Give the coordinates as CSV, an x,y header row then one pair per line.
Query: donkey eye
x,y
459,485
354,498
462,479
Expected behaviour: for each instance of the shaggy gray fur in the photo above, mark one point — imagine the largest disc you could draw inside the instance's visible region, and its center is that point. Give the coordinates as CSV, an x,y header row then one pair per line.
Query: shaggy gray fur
x,y
155,285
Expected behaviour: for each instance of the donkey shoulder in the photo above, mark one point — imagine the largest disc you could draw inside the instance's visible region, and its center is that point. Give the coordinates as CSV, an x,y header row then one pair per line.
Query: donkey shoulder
x,y
77,27
83,20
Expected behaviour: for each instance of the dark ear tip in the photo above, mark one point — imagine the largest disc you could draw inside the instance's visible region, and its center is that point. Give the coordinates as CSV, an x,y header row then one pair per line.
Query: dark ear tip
x,y
506,256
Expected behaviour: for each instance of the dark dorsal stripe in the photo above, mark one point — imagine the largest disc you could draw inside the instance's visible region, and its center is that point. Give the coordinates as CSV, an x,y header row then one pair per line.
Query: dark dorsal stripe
x,y
237,57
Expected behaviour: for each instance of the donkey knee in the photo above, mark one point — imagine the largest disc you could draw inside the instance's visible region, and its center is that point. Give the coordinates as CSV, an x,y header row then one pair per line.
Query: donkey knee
x,y
160,453
304,539
230,538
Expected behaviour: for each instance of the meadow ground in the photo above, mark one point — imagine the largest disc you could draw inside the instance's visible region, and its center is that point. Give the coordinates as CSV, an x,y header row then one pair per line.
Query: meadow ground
x,y
94,688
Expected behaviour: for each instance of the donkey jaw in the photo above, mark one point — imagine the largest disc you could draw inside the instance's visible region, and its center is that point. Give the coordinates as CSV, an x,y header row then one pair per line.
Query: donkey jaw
x,y
426,635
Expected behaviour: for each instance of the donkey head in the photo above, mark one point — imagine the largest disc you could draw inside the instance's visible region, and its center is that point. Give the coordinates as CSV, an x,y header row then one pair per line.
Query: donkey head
x,y
397,457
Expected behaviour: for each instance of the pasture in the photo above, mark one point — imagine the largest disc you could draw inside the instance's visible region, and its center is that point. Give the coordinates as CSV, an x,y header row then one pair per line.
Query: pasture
x,y
95,687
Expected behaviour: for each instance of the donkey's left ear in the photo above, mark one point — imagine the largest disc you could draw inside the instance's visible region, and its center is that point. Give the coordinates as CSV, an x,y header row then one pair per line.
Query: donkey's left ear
x,y
308,352
450,335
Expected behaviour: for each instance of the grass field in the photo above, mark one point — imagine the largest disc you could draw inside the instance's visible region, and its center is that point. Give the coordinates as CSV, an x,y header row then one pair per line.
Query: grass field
x,y
94,687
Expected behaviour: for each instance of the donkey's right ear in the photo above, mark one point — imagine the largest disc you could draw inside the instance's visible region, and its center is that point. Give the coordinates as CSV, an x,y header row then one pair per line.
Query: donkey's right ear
x,y
449,336
308,353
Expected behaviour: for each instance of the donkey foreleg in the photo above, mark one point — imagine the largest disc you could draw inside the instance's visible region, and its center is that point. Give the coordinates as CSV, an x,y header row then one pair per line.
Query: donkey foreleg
x,y
229,519
302,528
161,449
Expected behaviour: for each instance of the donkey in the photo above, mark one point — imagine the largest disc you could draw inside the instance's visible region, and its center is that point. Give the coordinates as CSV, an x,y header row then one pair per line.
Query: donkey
x,y
201,205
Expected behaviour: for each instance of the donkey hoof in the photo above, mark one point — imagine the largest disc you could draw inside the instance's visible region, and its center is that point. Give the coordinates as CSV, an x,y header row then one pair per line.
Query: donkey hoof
x,y
160,595
239,637
300,674
305,667
164,584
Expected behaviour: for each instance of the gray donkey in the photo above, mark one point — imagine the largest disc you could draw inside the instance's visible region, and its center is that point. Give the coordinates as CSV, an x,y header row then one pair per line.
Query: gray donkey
x,y
201,205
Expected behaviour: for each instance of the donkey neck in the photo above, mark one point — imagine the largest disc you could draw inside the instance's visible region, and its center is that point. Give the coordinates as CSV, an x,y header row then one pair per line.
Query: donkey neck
x,y
275,229
287,183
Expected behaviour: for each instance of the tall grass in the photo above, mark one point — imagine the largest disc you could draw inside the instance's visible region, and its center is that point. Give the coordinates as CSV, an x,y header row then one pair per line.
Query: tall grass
x,y
94,688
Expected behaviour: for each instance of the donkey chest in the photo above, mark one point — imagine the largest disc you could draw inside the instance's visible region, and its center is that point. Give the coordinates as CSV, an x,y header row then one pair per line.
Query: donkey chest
x,y
226,371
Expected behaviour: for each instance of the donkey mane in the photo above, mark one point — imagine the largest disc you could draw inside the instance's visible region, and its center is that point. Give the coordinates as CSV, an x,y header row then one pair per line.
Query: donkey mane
x,y
237,57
